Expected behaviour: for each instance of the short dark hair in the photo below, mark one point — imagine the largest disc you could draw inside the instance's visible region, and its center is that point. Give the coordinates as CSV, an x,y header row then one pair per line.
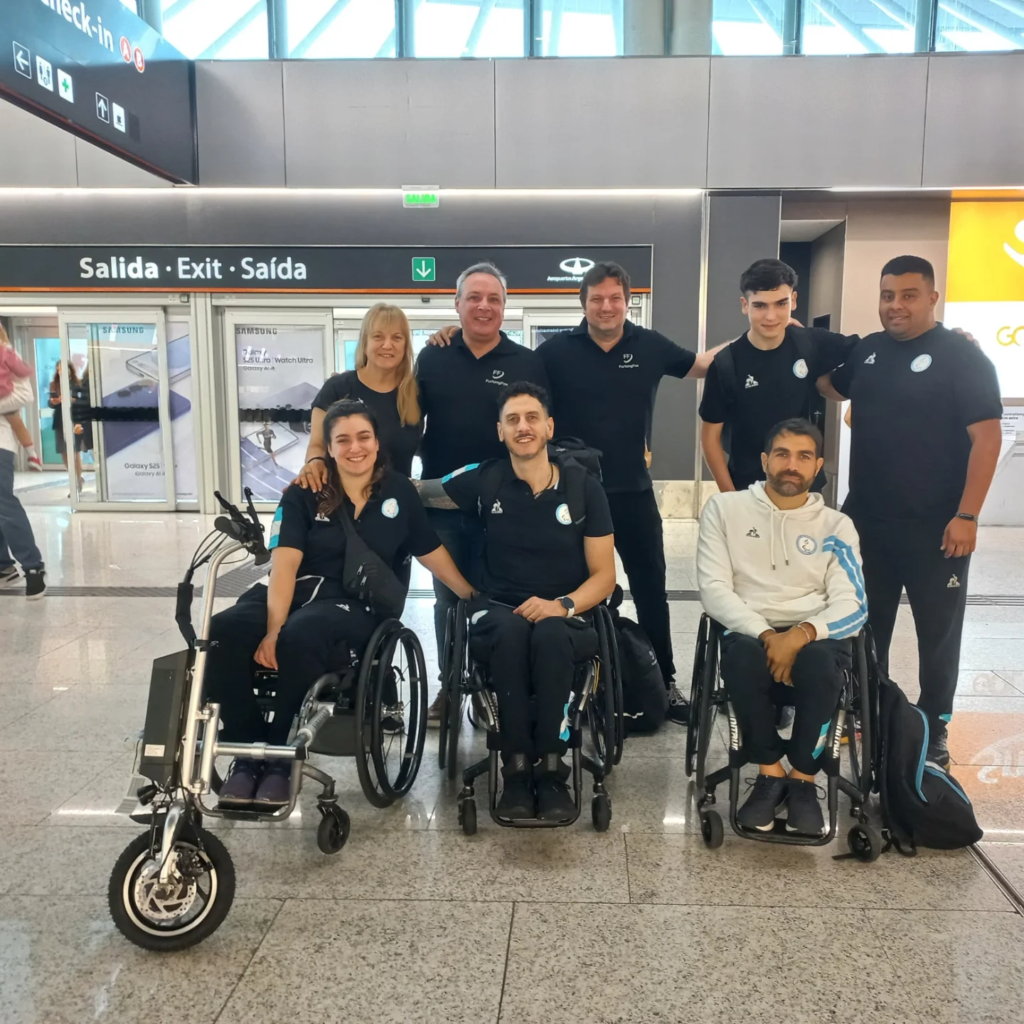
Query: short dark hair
x,y
766,276
801,428
910,265
601,272
525,387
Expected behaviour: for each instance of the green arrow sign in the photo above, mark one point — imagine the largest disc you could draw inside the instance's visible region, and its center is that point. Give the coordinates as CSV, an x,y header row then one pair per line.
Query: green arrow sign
x,y
423,268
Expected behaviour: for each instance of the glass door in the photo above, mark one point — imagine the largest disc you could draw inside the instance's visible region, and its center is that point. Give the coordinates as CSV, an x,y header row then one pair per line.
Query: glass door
x,y
276,362
113,408
37,341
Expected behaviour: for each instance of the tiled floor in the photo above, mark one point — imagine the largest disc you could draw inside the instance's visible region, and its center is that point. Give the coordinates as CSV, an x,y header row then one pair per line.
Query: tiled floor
x,y
413,921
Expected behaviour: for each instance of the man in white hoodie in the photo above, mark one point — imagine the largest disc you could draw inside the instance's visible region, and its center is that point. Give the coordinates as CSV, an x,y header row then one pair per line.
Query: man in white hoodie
x,y
782,573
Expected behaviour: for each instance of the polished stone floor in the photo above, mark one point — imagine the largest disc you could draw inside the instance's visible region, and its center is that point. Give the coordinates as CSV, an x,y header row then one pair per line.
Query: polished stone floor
x,y
412,921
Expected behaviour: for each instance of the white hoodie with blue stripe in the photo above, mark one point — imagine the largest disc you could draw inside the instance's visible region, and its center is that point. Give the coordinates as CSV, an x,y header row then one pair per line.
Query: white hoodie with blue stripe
x,y
760,567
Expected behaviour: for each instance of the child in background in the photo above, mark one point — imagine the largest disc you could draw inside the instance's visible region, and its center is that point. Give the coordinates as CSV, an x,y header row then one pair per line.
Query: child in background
x,y
15,392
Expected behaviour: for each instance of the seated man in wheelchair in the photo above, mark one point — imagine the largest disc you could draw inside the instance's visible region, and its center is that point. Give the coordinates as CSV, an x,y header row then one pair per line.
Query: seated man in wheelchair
x,y
548,559
782,573
309,612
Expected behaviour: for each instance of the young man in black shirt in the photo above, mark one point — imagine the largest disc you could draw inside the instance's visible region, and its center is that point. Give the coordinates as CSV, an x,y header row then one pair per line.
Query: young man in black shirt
x,y
459,387
765,376
925,442
548,559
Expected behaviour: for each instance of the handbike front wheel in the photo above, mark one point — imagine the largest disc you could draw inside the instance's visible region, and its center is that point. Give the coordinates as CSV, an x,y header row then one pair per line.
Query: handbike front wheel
x,y
191,906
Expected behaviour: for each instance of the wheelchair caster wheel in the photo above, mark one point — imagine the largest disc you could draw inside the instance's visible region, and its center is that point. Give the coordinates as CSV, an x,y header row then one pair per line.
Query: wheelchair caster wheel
x,y
332,832
467,816
711,829
865,843
601,812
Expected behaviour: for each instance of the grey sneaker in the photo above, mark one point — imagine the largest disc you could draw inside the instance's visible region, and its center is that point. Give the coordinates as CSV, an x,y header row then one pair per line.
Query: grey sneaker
x,y
434,711
239,787
803,812
769,794
938,748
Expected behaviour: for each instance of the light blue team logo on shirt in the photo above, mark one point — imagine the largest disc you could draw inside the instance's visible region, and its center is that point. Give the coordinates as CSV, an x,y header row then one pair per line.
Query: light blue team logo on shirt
x,y
806,545
390,508
800,368
921,363
563,515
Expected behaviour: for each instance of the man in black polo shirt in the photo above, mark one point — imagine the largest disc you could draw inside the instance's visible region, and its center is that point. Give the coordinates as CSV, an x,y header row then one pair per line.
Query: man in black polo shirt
x,y
548,558
925,443
459,388
604,378
764,377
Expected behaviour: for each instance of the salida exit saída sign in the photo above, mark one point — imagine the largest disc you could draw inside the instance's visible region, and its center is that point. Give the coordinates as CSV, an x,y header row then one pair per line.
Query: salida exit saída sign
x,y
97,69
338,269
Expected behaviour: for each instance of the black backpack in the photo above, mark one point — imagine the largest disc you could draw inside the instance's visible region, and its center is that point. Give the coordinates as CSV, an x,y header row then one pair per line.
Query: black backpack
x,y
922,805
577,450
644,695
725,367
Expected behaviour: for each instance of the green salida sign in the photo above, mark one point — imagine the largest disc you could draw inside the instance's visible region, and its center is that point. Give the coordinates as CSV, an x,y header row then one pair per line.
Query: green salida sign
x,y
423,269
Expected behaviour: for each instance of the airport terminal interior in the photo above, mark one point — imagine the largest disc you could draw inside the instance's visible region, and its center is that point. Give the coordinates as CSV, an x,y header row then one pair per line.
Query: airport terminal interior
x,y
200,202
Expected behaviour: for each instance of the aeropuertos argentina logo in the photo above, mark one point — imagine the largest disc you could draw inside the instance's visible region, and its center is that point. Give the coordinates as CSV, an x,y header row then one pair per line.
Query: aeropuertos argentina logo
x,y
572,269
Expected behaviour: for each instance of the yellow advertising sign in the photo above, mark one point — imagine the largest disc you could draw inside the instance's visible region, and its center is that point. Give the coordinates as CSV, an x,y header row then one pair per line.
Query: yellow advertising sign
x,y
986,252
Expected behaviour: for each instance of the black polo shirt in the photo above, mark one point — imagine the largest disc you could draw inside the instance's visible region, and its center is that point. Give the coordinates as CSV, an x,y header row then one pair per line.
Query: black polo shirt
x,y
393,523
533,548
912,402
459,398
607,398
770,386
399,440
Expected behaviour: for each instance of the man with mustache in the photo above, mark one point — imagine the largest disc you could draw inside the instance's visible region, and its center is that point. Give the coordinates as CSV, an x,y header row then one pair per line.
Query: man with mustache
x,y
782,573
549,559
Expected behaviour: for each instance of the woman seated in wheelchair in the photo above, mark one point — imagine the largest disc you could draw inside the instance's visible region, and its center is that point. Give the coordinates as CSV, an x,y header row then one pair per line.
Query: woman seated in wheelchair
x,y
782,573
309,612
548,559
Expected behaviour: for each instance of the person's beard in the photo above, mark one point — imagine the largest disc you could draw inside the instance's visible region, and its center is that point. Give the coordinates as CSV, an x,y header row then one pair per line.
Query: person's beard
x,y
789,485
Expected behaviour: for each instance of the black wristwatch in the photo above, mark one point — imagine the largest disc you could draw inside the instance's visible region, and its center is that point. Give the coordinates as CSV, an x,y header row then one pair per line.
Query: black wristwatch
x,y
568,605
967,516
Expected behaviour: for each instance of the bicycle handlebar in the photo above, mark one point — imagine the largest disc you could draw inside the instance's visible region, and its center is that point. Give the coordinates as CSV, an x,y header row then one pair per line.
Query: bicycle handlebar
x,y
246,529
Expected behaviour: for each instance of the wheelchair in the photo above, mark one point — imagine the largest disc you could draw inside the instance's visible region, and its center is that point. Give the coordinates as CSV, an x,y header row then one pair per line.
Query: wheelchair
x,y
854,725
597,694
173,886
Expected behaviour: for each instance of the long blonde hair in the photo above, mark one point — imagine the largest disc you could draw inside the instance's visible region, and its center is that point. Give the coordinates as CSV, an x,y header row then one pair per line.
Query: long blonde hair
x,y
388,316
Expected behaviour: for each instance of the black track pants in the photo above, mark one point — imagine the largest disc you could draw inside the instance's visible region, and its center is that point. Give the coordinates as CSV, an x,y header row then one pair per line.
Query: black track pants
x,y
528,660
312,642
818,676
900,555
641,545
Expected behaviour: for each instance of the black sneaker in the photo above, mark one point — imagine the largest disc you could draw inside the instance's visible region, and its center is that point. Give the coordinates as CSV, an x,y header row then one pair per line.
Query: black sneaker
x,y
517,800
769,794
938,750
803,812
9,575
35,584
239,788
678,706
554,798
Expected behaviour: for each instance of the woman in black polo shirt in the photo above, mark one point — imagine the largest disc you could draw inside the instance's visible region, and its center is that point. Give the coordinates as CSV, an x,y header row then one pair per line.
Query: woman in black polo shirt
x,y
297,620
383,380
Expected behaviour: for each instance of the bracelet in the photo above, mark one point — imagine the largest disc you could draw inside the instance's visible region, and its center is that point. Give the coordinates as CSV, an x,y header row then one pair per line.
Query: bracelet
x,y
316,458
803,629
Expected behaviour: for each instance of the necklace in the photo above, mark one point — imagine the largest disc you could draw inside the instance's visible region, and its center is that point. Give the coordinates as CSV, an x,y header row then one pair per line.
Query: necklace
x,y
548,485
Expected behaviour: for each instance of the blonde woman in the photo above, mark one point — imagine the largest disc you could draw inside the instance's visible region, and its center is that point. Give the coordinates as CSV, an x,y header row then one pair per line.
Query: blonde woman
x,y
383,380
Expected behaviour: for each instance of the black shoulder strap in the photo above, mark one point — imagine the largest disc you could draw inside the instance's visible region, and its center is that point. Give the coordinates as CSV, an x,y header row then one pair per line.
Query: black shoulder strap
x,y
575,489
804,347
725,367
